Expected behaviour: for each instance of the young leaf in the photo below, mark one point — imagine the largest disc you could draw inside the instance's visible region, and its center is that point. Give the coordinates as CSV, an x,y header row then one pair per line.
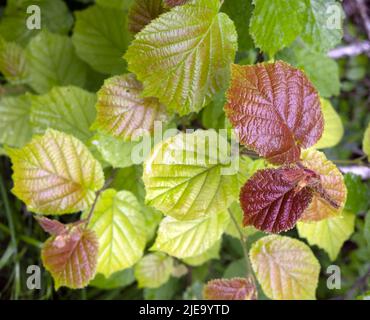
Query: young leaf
x,y
123,113
142,13
272,199
12,62
55,174
276,24
332,182
275,110
120,227
366,142
328,234
318,33
333,129
68,109
71,257
101,38
286,268
184,176
153,270
182,63
53,227
52,61
230,289
15,127
184,239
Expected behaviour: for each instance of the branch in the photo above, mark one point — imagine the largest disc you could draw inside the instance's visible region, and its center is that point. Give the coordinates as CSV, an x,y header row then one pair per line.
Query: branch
x,y
362,171
362,8
351,50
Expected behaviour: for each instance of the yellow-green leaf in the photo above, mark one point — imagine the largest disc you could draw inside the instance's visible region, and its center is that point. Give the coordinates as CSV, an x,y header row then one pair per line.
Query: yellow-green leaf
x,y
286,268
120,228
333,127
55,174
123,113
184,176
184,239
184,64
328,234
153,270
211,253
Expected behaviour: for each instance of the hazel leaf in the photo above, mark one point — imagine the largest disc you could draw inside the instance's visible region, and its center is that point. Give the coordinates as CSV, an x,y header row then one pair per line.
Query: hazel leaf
x,y
71,258
275,110
230,289
285,268
55,174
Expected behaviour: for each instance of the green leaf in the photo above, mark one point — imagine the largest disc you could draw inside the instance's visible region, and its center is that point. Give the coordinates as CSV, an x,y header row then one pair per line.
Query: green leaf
x,y
101,38
183,57
358,193
52,61
185,176
333,127
12,62
153,270
366,141
116,152
55,17
320,69
367,228
321,33
115,4
184,239
117,280
286,268
68,109
328,234
240,12
71,257
276,24
213,115
211,253
55,174
237,212
120,228
15,128
123,113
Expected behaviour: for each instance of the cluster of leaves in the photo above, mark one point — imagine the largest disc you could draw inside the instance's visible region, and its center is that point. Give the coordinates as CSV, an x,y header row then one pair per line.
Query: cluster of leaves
x,y
71,147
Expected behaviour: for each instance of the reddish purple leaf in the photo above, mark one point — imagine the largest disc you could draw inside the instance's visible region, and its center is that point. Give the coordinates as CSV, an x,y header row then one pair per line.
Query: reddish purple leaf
x,y
230,289
71,257
275,110
274,199
53,227
174,3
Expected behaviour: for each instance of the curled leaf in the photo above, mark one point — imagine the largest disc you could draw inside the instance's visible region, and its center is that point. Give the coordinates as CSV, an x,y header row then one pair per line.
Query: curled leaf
x,y
275,110
286,268
54,227
71,258
122,112
274,199
230,289
330,197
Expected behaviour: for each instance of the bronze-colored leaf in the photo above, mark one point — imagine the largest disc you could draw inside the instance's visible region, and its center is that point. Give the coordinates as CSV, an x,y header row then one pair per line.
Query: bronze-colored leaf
x,y
71,257
230,289
54,227
275,110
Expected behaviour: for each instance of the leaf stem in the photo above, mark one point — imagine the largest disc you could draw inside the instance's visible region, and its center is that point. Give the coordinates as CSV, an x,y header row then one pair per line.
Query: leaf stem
x,y
97,195
243,241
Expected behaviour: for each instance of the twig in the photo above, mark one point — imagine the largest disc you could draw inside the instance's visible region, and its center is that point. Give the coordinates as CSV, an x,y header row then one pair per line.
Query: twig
x,y
362,8
351,50
359,284
243,241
